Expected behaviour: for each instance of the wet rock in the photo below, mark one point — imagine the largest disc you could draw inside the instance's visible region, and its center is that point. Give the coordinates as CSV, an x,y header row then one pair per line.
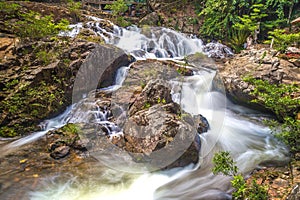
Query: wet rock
x,y
89,35
217,50
99,69
201,60
295,194
260,64
154,129
155,123
60,152
35,87
73,56
293,50
156,91
203,125
151,19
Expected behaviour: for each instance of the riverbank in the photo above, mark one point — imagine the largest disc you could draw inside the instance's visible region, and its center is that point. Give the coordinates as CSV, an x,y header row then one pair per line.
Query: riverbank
x,y
267,64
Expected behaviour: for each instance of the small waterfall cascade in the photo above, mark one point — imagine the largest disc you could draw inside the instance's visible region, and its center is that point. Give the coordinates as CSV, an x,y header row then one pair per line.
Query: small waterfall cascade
x,y
232,128
151,42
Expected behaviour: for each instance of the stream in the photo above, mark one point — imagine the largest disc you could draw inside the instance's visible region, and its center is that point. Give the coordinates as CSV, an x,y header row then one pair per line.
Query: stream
x,y
233,128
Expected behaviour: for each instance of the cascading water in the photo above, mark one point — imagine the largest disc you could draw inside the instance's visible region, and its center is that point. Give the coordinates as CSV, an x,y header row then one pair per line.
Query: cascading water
x,y
151,42
231,129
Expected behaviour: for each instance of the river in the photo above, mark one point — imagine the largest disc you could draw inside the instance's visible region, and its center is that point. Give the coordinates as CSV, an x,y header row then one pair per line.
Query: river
x,y
233,128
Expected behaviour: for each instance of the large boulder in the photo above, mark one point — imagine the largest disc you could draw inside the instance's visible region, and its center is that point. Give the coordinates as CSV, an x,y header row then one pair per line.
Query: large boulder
x,y
99,69
261,64
156,131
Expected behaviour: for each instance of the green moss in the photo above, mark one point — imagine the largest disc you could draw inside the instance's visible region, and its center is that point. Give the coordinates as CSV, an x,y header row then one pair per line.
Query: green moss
x,y
29,106
7,132
147,105
70,129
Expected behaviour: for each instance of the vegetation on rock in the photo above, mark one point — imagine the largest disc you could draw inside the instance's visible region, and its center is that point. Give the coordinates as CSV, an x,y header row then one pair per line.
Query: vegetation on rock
x,y
224,164
37,78
30,25
282,40
34,26
284,101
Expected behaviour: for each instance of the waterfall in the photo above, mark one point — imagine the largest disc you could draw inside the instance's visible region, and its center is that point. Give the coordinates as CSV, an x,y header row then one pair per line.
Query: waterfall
x,y
150,42
231,129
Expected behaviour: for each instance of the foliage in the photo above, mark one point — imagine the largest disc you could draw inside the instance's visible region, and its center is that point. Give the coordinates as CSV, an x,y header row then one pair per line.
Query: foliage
x,y
7,132
11,84
256,191
282,40
290,134
163,101
70,129
147,105
282,101
117,7
74,9
249,23
221,17
239,184
224,164
279,98
74,6
122,22
44,57
34,26
237,39
9,8
278,6
33,103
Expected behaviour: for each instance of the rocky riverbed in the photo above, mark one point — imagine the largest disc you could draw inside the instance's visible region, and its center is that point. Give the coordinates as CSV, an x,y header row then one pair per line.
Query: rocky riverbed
x,y
35,87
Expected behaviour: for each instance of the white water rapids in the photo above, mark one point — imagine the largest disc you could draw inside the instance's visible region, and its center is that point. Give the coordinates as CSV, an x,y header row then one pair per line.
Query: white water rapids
x,y
232,128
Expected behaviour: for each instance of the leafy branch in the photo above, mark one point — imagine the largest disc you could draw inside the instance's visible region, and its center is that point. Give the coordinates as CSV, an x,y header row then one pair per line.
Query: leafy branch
x,y
224,164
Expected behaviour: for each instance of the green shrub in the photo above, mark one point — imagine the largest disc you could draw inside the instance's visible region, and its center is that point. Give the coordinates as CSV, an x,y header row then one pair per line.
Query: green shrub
x,y
118,7
122,22
224,164
74,6
221,17
249,23
277,97
35,26
237,39
282,40
7,132
282,101
70,129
